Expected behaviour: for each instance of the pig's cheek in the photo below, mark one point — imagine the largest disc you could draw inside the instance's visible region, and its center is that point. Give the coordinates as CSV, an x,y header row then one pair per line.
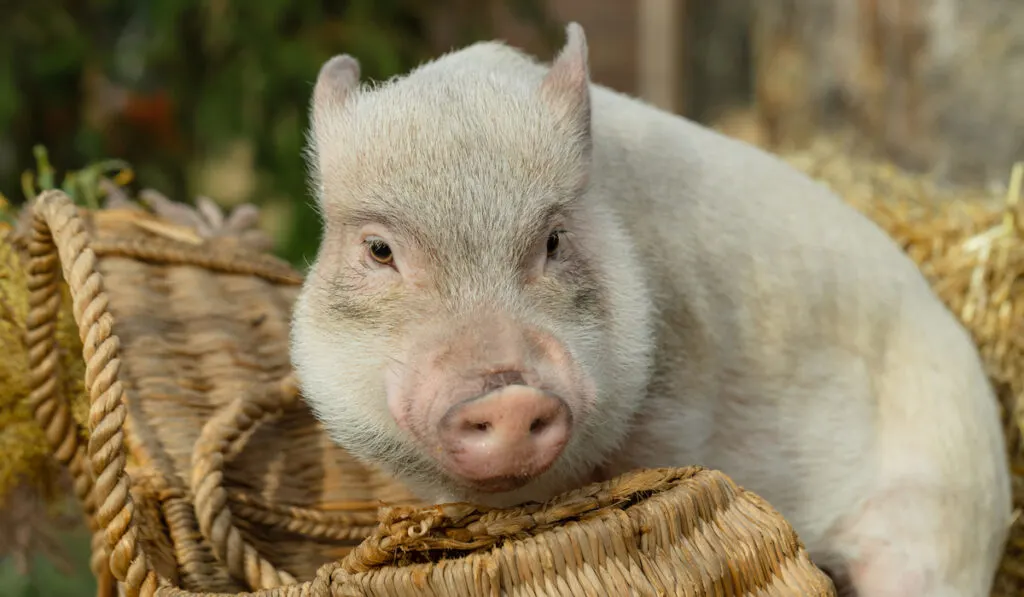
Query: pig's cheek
x,y
577,387
588,393
396,398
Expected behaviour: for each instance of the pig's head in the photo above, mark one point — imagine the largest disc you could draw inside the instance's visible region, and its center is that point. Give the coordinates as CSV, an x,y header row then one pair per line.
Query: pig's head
x,y
475,321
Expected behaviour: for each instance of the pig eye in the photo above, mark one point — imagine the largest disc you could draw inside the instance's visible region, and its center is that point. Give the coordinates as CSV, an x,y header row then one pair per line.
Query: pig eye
x,y
553,243
380,251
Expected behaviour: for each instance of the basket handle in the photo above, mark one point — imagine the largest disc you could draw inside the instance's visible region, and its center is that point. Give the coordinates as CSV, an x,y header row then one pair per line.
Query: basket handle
x,y
50,409
59,239
213,513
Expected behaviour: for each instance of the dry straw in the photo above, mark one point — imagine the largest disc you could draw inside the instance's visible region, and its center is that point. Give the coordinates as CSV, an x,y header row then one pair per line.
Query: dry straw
x,y
202,472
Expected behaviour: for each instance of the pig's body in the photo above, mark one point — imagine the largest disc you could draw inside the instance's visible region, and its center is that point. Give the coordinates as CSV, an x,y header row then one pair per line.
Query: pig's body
x,y
801,352
754,323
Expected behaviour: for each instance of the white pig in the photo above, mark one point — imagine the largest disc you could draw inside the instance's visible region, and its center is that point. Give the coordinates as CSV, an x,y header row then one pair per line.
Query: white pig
x,y
528,282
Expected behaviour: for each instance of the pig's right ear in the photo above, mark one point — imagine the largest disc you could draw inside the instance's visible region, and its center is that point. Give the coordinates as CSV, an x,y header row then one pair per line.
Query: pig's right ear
x,y
337,79
566,86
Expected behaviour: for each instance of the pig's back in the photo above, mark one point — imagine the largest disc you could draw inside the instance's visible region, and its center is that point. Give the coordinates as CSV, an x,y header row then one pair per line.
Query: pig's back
x,y
731,227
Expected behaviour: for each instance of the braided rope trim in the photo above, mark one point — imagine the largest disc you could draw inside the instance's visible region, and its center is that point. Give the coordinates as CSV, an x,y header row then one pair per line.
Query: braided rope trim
x,y
50,410
329,582
59,238
158,250
311,523
214,515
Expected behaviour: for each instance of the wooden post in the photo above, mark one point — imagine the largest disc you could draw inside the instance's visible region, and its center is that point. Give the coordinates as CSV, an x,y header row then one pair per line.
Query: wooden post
x,y
659,52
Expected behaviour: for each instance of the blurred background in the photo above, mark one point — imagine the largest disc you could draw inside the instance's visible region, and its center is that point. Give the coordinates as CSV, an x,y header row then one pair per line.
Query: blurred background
x,y
209,97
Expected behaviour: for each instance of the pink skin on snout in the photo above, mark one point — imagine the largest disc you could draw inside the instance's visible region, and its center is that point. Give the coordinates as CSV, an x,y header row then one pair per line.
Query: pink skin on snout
x,y
505,436
493,402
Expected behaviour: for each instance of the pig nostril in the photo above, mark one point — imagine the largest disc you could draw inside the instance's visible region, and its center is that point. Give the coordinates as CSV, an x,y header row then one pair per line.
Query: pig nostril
x,y
538,425
482,426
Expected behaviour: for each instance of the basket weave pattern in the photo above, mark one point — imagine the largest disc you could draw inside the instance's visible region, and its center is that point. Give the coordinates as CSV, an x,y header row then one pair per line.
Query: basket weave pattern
x,y
204,473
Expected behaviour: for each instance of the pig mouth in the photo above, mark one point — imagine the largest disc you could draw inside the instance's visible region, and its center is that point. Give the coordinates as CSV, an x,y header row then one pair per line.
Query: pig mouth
x,y
499,484
492,483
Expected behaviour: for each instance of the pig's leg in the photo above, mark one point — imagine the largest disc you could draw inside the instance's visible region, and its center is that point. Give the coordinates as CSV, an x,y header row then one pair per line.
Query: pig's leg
x,y
933,518
913,541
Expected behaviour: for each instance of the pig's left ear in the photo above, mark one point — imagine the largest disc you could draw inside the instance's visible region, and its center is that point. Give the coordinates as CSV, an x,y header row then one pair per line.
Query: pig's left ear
x,y
566,86
337,79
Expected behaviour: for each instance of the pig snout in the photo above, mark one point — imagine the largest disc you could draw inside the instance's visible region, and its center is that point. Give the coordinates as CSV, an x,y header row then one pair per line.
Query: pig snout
x,y
500,440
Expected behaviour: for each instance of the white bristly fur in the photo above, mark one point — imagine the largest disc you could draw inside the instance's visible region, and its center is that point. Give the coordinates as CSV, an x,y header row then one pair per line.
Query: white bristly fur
x,y
752,322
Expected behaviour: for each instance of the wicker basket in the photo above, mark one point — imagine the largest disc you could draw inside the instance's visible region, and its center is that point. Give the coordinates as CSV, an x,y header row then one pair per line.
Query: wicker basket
x,y
202,472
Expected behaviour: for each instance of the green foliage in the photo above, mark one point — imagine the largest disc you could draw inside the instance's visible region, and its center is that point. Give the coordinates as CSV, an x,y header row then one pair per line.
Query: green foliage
x,y
83,186
175,87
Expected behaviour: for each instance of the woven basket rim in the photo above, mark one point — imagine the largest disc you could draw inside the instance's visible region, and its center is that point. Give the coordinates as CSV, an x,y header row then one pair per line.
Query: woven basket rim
x,y
460,529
